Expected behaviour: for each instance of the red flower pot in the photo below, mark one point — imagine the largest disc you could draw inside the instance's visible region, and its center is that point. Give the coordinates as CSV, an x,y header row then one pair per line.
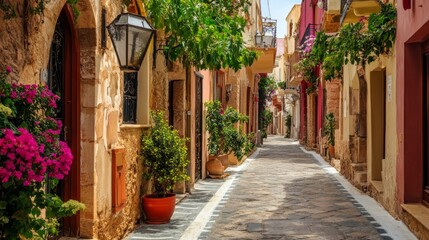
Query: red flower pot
x,y
158,210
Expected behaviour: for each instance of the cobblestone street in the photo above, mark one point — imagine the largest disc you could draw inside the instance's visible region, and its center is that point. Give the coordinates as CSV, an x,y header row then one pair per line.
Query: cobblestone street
x,y
282,193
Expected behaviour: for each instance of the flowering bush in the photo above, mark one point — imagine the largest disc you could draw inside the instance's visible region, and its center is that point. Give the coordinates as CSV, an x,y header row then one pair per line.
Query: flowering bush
x,y
32,161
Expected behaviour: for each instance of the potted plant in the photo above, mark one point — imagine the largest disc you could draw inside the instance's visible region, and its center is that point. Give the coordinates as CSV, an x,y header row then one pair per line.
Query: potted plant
x,y
164,155
225,137
330,133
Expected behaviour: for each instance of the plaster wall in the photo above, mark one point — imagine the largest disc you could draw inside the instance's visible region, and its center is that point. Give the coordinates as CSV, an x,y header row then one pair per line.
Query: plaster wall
x,y
292,18
413,28
387,194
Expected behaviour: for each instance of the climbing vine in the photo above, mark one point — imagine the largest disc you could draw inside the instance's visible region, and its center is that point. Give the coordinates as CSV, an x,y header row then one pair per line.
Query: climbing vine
x,y
357,43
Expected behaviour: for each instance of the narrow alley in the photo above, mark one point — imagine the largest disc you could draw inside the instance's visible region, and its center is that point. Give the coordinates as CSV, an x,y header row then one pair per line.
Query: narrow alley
x,y
280,192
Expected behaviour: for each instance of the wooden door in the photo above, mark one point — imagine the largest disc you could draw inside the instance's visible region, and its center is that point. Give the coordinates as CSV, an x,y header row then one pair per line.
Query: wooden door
x,y
63,79
426,128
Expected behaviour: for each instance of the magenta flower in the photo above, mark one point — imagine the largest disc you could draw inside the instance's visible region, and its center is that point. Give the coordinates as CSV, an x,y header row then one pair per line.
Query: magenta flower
x,y
9,69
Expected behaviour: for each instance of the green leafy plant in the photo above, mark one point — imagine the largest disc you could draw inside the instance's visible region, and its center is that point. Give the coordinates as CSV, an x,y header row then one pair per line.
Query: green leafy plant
x,y
225,137
329,130
204,34
32,161
282,85
357,43
164,155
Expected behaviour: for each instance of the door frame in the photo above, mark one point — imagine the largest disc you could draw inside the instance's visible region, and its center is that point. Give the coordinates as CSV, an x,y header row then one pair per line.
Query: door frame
x,y
71,185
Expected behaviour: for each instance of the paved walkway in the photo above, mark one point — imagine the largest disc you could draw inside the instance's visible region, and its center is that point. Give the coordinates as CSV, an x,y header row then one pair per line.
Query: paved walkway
x,y
280,192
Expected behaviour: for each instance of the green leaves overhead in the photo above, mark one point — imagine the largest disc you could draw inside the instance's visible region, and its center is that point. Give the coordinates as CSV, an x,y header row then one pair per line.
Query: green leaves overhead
x,y
207,34
356,43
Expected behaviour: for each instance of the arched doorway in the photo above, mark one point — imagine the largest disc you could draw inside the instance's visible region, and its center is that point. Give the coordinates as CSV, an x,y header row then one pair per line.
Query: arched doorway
x,y
63,79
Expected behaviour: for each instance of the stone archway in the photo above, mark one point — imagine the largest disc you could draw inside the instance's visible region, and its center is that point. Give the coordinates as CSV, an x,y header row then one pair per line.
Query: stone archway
x,y
88,108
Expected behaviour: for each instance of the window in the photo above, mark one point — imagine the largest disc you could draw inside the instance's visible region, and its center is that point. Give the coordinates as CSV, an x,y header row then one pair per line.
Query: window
x,y
130,97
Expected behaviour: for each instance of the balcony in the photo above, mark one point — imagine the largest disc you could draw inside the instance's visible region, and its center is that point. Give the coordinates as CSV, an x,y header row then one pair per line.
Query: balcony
x,y
265,44
267,38
332,15
311,30
353,10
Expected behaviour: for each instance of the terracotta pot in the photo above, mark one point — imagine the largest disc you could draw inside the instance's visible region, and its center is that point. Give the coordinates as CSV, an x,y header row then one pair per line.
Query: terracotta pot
x,y
331,151
215,167
158,210
224,160
232,160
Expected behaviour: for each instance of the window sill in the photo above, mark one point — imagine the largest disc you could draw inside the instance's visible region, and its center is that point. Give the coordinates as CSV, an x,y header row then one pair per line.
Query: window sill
x,y
135,126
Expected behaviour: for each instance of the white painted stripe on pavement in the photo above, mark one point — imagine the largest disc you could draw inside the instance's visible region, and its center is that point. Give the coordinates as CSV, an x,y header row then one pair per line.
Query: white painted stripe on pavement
x,y
194,230
196,227
396,229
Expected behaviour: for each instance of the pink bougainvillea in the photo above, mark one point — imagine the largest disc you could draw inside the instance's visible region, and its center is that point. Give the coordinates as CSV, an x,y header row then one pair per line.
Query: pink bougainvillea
x,y
31,154
308,44
25,160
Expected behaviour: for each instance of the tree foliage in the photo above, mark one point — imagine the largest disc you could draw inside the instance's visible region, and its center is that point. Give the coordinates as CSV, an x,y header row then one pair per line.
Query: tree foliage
x,y
357,43
207,34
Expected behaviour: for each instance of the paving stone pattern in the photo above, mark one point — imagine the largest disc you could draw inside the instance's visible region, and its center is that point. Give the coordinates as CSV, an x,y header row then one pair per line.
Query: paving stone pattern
x,y
185,212
285,194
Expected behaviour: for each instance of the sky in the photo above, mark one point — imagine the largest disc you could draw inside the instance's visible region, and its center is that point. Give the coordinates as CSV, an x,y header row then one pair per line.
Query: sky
x,y
279,10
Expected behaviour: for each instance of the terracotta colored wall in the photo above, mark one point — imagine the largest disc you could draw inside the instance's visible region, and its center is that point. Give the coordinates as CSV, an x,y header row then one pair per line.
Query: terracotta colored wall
x,y
413,27
320,104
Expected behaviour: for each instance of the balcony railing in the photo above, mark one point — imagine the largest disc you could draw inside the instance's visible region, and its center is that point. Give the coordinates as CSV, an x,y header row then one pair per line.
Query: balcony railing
x,y
267,38
311,30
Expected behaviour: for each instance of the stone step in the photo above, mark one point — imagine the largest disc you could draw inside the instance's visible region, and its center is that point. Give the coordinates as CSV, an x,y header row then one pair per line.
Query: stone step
x,y
358,167
336,163
361,177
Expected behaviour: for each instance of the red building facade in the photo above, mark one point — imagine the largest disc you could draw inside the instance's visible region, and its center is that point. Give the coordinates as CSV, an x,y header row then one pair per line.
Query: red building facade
x,y
412,49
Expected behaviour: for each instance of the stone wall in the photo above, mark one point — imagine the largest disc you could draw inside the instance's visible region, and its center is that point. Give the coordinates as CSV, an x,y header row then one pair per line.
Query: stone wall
x,y
117,225
26,45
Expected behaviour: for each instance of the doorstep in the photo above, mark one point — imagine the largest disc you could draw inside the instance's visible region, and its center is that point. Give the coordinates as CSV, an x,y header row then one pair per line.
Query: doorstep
x,y
416,217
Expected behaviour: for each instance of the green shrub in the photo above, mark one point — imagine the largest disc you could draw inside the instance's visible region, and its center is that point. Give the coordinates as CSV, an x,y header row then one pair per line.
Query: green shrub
x,y
164,154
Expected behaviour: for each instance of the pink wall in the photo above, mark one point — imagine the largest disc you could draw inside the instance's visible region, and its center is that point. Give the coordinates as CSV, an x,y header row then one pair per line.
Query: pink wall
x,y
413,28
308,11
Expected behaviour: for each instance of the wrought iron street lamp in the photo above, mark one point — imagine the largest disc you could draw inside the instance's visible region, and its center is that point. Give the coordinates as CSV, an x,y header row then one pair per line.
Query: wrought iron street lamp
x,y
131,35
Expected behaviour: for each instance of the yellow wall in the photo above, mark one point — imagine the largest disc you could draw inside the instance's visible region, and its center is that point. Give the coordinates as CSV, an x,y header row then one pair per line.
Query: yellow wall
x,y
387,63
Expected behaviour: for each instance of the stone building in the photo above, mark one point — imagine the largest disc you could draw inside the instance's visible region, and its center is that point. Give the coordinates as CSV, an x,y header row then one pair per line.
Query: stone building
x,y
105,110
292,76
366,140
411,142
364,105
